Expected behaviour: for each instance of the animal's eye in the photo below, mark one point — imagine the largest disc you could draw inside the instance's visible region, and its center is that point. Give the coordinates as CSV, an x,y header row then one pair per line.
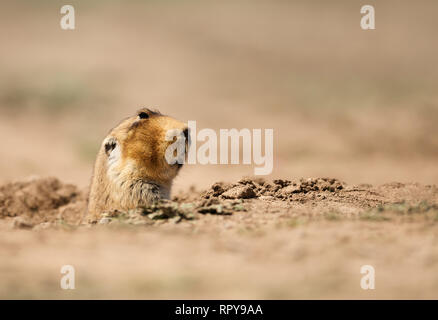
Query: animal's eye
x,y
143,115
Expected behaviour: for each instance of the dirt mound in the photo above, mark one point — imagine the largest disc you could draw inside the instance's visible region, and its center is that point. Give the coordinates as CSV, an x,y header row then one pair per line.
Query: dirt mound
x,y
279,189
45,202
172,211
41,200
210,243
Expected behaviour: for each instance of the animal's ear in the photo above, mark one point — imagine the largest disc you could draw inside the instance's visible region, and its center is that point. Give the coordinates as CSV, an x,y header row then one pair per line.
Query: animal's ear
x,y
113,151
110,144
143,115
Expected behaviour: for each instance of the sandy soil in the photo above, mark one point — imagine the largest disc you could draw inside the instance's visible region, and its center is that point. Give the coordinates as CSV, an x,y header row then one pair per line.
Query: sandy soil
x,y
251,239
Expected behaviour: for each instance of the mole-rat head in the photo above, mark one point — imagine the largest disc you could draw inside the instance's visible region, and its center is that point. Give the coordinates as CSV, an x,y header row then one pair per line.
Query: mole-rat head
x,y
136,148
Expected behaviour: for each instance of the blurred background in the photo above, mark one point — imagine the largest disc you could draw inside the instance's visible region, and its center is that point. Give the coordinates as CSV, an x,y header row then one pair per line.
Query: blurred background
x,y
361,106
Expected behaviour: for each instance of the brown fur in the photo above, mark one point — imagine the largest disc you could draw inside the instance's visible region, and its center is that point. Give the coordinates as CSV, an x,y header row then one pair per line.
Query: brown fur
x,y
131,169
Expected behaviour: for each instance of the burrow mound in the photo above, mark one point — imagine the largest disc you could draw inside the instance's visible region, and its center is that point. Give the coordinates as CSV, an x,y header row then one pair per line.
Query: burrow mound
x,y
48,201
224,199
40,200
37,201
279,189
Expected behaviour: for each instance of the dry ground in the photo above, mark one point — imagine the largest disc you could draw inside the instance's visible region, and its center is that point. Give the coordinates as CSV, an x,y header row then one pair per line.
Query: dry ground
x,y
252,239
361,106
